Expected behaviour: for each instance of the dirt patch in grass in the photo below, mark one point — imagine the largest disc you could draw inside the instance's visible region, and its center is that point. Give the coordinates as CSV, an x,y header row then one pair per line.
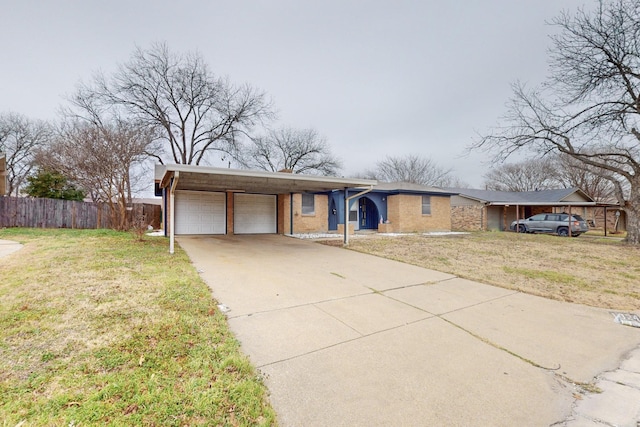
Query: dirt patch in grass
x,y
592,271
99,328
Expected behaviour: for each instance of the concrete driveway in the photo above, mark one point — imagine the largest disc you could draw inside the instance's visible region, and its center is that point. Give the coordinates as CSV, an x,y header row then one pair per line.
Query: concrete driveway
x,y
7,247
348,339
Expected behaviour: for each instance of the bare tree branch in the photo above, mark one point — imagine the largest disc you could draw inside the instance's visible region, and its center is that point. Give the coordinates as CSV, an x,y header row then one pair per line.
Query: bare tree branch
x,y
20,137
413,168
99,159
296,150
589,109
196,112
528,175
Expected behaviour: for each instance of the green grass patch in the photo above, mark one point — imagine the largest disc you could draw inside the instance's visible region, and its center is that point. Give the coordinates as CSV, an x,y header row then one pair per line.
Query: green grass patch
x,y
554,276
99,328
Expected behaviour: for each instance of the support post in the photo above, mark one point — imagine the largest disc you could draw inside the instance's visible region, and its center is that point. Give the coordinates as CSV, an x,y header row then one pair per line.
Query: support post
x,y
347,198
570,222
291,213
346,217
172,209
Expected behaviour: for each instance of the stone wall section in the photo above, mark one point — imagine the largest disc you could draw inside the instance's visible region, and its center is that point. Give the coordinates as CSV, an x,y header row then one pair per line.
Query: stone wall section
x,y
468,218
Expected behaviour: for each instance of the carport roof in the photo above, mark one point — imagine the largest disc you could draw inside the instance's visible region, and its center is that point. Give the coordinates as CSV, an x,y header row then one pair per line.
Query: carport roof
x,y
203,178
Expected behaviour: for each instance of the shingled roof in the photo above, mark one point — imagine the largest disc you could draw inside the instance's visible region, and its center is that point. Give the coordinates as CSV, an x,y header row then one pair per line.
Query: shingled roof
x,y
565,196
409,187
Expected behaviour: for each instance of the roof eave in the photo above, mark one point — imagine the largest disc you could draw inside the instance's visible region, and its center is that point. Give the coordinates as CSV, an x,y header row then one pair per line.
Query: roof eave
x,y
331,182
558,203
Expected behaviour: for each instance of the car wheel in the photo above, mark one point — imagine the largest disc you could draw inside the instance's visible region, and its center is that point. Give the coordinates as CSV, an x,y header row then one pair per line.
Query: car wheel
x,y
522,229
563,231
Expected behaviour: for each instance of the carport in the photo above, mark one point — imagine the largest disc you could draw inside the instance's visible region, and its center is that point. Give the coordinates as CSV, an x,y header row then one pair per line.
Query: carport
x,y
524,209
491,210
213,200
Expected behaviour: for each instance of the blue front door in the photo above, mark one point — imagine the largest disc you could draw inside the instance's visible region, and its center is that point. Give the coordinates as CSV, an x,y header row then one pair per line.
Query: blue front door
x,y
333,216
369,216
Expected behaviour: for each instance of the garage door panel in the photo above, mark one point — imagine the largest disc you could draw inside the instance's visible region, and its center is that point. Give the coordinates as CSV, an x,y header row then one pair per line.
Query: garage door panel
x,y
200,213
254,214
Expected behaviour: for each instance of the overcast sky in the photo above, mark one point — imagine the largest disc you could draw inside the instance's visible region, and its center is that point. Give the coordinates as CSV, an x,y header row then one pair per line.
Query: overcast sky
x,y
376,78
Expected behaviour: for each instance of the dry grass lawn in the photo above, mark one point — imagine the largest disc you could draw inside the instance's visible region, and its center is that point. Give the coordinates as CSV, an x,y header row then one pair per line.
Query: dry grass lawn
x,y
587,270
97,328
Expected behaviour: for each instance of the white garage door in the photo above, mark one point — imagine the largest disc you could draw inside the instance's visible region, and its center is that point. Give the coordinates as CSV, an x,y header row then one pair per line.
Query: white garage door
x,y
254,213
199,212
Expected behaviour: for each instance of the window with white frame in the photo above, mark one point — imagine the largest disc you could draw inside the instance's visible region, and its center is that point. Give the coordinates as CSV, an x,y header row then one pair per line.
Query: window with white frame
x,y
308,204
426,205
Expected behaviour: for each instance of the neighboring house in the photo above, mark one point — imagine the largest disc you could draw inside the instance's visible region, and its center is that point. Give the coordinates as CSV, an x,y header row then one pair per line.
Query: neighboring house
x,y
495,210
206,200
3,175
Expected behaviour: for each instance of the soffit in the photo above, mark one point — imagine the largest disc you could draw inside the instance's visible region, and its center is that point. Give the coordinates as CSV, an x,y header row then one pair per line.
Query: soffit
x,y
199,178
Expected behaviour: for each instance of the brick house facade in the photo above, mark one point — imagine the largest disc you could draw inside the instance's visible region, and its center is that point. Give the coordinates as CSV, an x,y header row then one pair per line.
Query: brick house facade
x,y
315,222
396,207
405,214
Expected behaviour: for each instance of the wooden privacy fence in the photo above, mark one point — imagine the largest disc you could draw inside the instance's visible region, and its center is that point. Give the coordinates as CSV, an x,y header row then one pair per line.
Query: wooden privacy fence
x,y
56,213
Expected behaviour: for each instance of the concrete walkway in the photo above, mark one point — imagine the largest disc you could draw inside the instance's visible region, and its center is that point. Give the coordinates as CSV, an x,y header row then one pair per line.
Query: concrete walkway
x,y
348,339
8,247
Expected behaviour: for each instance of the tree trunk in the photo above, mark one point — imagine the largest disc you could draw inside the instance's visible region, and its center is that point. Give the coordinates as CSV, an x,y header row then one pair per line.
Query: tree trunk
x,y
633,226
632,209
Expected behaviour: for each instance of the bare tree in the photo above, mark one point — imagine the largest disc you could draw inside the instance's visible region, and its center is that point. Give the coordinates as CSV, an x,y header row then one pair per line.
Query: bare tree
x,y
295,150
589,108
19,139
196,111
99,159
415,169
527,175
570,172
552,171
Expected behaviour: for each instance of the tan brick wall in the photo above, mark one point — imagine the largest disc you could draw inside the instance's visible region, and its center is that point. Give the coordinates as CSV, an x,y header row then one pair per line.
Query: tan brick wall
x,y
405,214
340,229
393,215
468,218
316,223
597,214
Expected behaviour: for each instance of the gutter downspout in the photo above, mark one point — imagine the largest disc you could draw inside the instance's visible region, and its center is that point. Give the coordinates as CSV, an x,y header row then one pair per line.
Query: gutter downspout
x,y
172,207
348,198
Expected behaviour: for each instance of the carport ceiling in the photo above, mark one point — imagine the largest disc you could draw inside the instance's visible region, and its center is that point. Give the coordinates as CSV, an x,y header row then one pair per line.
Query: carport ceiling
x,y
201,178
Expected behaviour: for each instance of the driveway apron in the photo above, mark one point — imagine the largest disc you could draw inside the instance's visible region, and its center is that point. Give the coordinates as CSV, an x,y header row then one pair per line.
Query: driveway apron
x,y
349,339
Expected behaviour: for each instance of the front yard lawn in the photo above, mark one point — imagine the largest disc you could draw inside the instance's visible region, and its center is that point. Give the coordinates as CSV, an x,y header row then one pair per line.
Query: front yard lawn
x,y
99,328
586,270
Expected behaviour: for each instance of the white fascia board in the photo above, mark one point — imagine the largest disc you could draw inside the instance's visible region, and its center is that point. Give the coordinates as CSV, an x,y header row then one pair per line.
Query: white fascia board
x,y
339,182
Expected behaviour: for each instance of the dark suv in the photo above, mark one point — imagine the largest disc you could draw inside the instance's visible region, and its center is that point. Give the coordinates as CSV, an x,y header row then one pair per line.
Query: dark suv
x,y
557,223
